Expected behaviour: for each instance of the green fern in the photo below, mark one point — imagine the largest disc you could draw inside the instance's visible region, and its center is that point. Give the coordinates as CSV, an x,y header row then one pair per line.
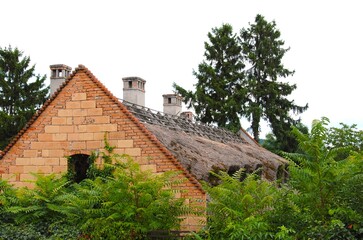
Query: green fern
x,y
41,203
237,209
129,202
324,185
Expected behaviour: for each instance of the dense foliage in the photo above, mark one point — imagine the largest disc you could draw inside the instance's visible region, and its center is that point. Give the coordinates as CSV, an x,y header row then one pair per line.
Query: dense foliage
x,y
279,147
237,210
322,199
323,184
125,203
219,90
239,78
345,136
22,92
266,99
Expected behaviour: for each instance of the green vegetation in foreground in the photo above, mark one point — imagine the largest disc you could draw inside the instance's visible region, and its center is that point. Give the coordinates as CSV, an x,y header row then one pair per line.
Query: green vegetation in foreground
x,y
117,202
322,198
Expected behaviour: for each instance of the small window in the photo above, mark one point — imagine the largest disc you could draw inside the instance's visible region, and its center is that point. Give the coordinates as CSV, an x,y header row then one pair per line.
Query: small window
x,y
169,100
54,73
130,84
60,73
79,164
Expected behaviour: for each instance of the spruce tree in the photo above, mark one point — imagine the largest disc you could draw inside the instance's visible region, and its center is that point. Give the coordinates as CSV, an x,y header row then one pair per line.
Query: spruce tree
x,y
240,78
22,92
218,94
267,97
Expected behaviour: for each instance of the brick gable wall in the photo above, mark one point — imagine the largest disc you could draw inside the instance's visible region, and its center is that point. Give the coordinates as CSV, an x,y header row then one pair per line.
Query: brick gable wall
x,y
74,122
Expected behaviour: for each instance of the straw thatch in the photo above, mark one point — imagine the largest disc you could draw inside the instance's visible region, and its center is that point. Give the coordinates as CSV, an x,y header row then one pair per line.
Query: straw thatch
x,y
201,148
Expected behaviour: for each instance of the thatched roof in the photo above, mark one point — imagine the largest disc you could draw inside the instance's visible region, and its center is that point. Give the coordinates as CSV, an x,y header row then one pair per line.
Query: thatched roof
x,y
201,148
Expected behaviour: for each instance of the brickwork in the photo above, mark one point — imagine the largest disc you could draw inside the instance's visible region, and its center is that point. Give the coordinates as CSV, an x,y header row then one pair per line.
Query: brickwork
x,y
74,121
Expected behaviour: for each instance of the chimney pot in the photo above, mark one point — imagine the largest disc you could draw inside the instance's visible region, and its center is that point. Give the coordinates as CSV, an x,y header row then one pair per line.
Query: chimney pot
x,y
172,104
58,74
187,115
134,90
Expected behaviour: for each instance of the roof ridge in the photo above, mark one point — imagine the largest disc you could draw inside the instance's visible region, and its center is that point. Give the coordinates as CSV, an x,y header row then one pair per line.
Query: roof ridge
x,y
176,122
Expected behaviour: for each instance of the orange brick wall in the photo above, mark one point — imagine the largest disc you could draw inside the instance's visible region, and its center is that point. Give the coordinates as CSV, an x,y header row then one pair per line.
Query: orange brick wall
x,y
75,122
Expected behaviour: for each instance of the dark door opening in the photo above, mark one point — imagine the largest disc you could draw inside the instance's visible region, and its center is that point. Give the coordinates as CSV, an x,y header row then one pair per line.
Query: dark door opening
x,y
79,165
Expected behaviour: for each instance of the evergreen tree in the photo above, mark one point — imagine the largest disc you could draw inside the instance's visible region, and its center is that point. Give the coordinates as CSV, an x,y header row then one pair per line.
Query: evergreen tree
x,y
21,92
290,144
225,91
263,52
219,92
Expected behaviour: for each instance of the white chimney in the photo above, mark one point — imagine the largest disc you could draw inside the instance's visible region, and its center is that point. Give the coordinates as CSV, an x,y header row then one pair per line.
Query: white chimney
x,y
134,90
172,104
58,74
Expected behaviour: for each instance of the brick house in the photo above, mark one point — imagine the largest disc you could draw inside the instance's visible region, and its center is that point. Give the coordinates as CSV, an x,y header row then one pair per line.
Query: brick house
x,y
74,120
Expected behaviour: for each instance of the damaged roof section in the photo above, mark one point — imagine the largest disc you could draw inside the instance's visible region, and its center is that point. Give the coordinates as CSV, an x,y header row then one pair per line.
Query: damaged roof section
x,y
202,148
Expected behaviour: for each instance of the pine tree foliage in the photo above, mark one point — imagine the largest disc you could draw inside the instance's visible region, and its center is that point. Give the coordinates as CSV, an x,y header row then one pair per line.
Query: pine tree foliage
x,y
218,95
22,92
291,145
267,97
240,78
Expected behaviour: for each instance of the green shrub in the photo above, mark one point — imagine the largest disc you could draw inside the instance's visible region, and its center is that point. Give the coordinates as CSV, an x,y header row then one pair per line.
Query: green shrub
x,y
328,195
237,209
127,205
117,201
7,197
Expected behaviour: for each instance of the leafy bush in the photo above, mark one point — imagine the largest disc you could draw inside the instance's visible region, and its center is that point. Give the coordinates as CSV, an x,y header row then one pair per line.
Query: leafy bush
x,y
127,205
322,199
40,204
237,209
7,197
328,196
10,231
120,202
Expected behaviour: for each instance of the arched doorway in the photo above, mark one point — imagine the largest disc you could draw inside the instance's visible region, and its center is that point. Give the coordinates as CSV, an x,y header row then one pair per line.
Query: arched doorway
x,y
79,164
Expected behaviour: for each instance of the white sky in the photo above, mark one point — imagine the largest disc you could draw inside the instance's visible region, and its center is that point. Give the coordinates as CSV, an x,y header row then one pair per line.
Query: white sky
x,y
163,41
